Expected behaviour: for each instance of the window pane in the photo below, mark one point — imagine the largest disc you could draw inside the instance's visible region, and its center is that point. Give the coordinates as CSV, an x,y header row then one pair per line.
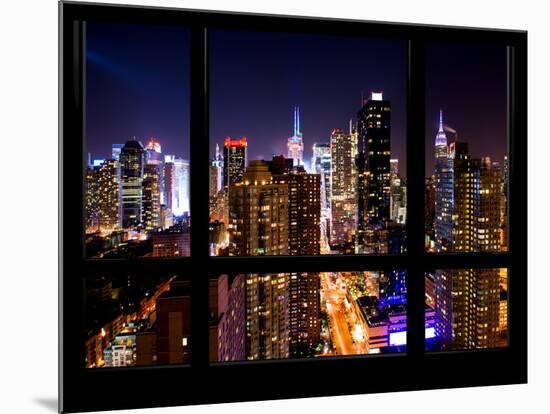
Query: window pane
x,y
137,141
305,315
466,148
137,320
307,136
466,309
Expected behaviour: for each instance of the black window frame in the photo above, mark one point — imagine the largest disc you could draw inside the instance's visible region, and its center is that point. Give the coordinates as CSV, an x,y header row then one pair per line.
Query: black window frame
x,y
84,389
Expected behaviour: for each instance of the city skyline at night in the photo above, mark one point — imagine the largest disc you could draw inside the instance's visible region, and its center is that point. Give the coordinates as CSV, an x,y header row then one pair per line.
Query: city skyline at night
x,y
307,157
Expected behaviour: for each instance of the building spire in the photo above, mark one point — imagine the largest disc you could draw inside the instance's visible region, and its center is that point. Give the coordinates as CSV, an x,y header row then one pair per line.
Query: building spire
x,y
441,137
294,132
298,121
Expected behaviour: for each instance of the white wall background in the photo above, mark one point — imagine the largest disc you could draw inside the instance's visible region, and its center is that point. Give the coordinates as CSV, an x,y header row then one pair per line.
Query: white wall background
x,y
28,203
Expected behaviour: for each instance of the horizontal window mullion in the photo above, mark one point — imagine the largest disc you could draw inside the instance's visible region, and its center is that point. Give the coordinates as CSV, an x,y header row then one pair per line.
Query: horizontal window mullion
x,y
465,260
269,264
140,265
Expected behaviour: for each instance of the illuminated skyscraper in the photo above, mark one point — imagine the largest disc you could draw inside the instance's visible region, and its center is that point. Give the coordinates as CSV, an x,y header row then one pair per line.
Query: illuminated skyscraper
x,y
304,206
258,214
467,308
109,196
91,202
180,200
374,133
267,316
132,161
467,219
342,227
295,145
115,151
443,186
153,156
102,200
398,194
151,198
235,159
153,152
394,168
216,173
504,206
168,177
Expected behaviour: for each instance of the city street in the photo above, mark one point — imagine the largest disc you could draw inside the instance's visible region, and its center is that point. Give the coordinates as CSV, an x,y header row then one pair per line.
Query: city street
x,y
338,316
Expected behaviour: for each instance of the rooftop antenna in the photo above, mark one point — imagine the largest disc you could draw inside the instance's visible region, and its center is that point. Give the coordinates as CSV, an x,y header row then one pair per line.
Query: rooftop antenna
x,y
298,121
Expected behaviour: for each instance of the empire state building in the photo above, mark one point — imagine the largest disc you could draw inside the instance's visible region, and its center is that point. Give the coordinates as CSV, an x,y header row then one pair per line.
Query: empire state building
x,y
295,145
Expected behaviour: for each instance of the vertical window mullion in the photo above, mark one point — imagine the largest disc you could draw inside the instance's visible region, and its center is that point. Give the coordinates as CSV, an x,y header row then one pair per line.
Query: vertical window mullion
x,y
415,194
199,195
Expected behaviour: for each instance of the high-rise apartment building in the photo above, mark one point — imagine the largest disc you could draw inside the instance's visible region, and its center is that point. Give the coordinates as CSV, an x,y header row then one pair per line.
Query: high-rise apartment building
x,y
304,206
467,219
258,214
267,316
304,313
343,209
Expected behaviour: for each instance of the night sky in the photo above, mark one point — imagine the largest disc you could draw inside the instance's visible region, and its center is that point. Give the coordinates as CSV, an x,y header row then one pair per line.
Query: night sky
x,y
257,78
469,83
137,85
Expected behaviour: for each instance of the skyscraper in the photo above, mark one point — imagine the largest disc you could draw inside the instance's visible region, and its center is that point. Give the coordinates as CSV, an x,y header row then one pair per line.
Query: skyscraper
x,y
180,200
216,173
398,194
267,316
151,197
91,203
304,313
169,177
109,196
115,151
304,206
258,214
342,226
467,219
153,152
443,186
374,133
132,161
295,145
153,156
235,159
